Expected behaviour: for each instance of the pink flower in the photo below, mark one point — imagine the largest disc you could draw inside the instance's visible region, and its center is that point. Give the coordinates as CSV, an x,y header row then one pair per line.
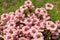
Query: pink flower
x,y
59,30
28,3
55,34
31,7
19,27
33,30
46,17
22,38
43,24
1,29
11,25
37,11
49,6
7,37
19,11
35,21
38,39
36,26
4,17
58,23
25,29
5,31
28,21
11,15
52,27
43,11
49,23
21,17
31,15
41,29
38,36
24,7
13,32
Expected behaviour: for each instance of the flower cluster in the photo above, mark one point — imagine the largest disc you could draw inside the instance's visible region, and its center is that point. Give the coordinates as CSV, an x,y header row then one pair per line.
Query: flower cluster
x,y
20,25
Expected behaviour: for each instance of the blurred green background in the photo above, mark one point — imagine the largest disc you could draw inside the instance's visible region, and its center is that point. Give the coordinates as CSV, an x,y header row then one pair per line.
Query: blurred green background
x,y
11,5
7,6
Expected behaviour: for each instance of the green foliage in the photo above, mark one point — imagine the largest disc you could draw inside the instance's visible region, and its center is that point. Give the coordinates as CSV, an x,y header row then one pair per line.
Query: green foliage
x,y
1,38
47,34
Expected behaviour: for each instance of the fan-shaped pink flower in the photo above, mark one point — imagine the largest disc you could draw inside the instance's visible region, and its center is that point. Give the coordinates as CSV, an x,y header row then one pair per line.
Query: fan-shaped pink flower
x,y
38,36
11,25
33,30
4,17
49,6
25,29
28,3
58,23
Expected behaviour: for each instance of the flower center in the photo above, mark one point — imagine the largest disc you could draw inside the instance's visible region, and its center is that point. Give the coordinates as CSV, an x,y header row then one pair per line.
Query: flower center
x,y
52,26
14,14
26,29
28,20
23,6
48,5
38,10
4,15
9,37
19,11
44,11
38,36
28,2
33,31
11,31
42,28
11,24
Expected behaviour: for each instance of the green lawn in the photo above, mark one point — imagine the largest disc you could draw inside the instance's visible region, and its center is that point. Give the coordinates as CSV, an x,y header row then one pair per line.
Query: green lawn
x,y
7,6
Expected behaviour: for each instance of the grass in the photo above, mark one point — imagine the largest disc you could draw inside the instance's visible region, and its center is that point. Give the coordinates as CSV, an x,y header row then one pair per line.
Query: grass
x,y
7,6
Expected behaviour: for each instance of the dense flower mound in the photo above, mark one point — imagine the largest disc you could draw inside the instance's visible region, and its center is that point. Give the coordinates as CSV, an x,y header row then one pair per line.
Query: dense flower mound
x,y
24,24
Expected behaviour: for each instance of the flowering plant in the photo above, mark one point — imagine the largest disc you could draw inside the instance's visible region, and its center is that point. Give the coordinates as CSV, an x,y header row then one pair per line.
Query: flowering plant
x,y
24,24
